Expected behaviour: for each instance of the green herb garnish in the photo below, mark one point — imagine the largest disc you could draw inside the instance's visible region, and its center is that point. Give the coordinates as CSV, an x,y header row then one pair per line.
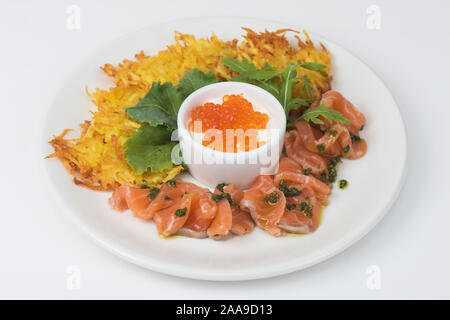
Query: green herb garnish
x,y
307,172
321,148
306,208
323,111
218,197
150,146
220,186
347,149
180,212
335,160
333,133
272,198
278,82
290,206
332,174
343,184
153,193
167,198
355,137
288,192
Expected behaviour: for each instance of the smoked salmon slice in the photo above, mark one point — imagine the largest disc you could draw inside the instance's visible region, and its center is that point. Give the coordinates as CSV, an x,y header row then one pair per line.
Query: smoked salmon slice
x,y
172,218
242,221
203,210
169,193
302,214
335,141
297,151
222,223
290,171
135,199
336,101
117,201
266,204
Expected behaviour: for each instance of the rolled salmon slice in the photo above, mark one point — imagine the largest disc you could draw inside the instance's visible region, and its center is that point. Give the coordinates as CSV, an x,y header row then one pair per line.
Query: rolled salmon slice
x,y
168,195
118,200
266,204
127,197
242,222
336,101
223,221
289,171
304,217
203,210
297,151
138,201
171,219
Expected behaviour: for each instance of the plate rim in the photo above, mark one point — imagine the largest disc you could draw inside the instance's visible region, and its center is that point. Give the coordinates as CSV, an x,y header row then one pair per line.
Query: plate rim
x,y
190,273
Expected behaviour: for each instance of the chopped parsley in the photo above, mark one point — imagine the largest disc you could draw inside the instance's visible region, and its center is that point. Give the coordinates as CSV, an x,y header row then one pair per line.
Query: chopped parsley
x,y
289,192
321,148
333,133
306,208
272,198
181,212
218,197
290,206
220,186
335,160
153,193
332,174
355,137
347,149
167,198
343,184
307,172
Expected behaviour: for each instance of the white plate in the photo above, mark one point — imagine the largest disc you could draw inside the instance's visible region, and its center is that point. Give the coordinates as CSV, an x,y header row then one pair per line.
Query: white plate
x,y
374,181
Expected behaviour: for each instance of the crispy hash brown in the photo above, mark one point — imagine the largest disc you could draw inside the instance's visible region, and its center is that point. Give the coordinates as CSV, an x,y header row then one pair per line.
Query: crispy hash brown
x,y
96,158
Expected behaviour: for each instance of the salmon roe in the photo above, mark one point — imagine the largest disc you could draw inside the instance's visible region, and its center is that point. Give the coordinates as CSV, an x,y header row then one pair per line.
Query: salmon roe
x,y
235,112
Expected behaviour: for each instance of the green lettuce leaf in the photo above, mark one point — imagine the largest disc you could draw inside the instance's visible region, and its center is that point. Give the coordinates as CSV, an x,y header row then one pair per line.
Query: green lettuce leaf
x,y
195,79
150,147
159,106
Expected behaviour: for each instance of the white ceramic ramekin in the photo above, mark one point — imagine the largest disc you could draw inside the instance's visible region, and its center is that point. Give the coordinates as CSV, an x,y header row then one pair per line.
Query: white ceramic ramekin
x,y
212,167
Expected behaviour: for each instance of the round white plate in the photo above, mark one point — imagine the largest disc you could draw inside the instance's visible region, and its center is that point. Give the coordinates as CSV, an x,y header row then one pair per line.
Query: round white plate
x,y
374,181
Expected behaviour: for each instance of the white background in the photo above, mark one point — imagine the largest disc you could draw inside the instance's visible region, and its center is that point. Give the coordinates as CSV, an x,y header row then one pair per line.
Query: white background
x,y
410,246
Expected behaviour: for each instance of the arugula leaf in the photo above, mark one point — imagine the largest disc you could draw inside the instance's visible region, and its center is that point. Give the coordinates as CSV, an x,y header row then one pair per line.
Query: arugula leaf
x,y
322,110
307,86
247,71
265,78
150,147
195,79
313,66
288,81
159,106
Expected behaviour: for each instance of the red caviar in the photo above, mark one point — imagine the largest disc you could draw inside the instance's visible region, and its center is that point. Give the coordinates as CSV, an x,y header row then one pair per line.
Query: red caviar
x,y
235,112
